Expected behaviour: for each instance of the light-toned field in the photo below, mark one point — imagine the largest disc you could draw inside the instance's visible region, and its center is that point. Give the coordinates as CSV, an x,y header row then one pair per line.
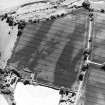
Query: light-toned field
x,y
3,101
6,42
39,95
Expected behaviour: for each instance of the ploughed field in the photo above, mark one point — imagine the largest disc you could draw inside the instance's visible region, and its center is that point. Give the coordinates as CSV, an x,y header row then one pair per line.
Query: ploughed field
x,y
52,50
95,86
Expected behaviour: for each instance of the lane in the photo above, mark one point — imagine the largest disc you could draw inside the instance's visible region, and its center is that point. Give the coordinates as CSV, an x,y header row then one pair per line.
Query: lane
x,y
95,85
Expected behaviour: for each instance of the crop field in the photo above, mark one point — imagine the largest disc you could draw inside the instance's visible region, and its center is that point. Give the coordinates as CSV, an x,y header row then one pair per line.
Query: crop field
x,y
52,50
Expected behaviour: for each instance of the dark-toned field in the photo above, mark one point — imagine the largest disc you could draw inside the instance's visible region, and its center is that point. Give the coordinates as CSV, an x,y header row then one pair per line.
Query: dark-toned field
x,y
52,50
